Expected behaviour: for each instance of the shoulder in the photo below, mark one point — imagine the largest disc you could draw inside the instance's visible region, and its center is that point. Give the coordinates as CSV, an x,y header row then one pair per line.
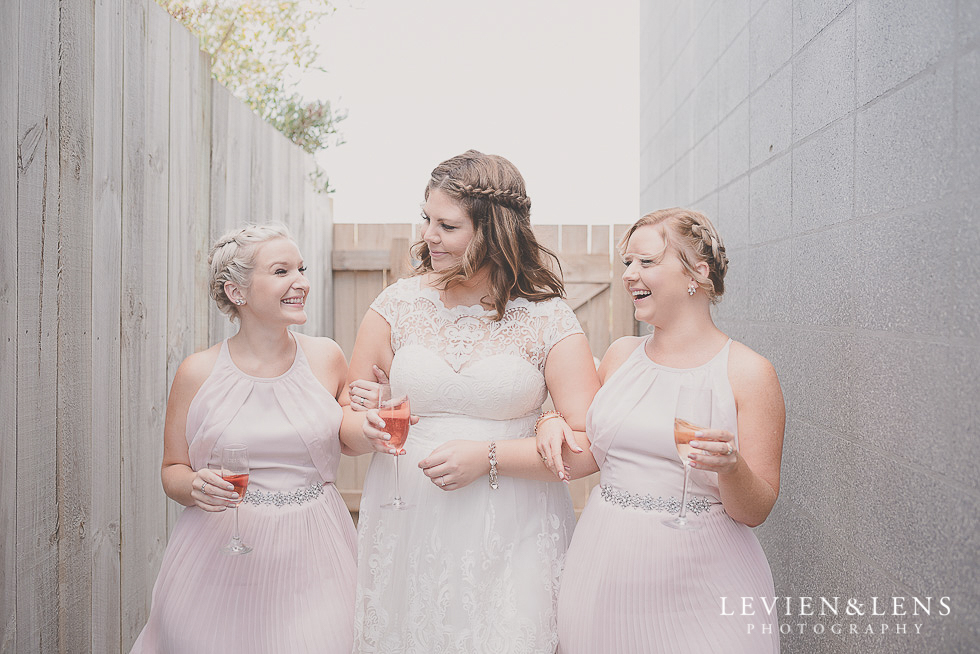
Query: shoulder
x,y
198,366
406,286
555,307
616,354
193,372
320,349
749,372
326,359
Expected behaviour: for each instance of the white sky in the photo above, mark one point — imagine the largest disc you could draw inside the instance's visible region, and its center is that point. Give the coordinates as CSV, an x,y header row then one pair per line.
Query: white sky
x,y
552,85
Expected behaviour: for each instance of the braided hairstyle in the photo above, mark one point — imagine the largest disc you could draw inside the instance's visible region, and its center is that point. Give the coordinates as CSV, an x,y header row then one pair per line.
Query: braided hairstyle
x,y
694,239
491,191
232,258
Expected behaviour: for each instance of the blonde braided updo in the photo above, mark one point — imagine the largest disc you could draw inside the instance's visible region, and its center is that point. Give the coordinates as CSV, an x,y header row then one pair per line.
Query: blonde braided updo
x,y
232,258
694,239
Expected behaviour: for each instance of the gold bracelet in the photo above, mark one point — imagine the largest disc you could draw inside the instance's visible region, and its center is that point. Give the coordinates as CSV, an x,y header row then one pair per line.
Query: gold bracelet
x,y
493,465
545,416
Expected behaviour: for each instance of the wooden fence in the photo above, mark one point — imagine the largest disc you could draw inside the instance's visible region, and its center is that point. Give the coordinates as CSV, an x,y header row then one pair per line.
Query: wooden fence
x,y
367,258
120,161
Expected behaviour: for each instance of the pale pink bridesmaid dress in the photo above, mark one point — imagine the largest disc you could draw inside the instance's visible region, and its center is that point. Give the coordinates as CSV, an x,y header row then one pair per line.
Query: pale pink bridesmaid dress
x,y
294,593
633,584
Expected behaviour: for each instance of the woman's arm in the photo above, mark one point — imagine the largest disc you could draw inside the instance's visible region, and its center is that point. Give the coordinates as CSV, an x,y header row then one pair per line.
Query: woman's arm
x,y
748,479
552,439
372,348
181,483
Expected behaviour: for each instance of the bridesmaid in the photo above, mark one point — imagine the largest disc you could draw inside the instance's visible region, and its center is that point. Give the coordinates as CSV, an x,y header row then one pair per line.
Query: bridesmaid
x,y
631,583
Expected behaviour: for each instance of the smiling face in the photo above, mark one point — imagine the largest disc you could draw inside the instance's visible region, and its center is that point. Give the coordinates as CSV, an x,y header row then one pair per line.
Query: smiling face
x,y
446,230
654,277
278,286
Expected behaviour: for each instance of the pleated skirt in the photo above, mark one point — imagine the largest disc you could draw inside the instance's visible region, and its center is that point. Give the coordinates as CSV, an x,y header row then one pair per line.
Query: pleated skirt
x,y
634,585
294,593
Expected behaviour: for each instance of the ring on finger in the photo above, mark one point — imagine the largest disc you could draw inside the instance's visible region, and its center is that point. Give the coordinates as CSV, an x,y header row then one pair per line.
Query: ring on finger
x,y
202,488
442,480
731,449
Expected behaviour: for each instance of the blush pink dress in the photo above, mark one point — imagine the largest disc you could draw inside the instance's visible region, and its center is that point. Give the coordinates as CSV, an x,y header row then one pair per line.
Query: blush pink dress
x,y
632,584
294,593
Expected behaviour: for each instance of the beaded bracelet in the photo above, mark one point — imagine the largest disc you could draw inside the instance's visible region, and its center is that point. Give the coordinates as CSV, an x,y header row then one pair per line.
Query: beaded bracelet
x,y
546,416
493,465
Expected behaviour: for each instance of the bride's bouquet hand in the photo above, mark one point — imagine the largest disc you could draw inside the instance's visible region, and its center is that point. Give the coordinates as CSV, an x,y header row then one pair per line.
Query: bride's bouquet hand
x,y
456,464
365,394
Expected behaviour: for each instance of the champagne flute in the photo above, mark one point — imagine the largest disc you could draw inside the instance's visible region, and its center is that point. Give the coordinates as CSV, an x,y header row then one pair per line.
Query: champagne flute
x,y
234,469
396,413
692,414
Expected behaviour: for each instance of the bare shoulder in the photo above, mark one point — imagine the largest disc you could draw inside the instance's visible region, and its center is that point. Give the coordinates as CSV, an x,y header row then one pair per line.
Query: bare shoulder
x,y
321,351
192,373
326,359
616,354
749,371
197,367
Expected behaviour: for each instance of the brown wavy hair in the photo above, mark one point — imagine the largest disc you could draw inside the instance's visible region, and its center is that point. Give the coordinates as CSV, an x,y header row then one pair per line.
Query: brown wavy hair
x,y
491,191
694,239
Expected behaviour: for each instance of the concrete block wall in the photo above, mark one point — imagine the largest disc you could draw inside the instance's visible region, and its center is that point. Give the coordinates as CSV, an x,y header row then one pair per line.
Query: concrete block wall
x,y
836,145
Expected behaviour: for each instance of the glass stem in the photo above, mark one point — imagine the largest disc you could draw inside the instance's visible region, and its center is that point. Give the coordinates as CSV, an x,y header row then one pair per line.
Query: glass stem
x,y
398,495
683,512
237,537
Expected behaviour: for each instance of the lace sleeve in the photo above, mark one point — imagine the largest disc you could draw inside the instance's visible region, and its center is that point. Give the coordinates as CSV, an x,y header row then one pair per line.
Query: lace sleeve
x,y
561,323
391,302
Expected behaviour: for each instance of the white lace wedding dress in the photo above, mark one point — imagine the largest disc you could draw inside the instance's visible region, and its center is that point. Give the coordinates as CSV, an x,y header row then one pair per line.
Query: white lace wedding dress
x,y
472,570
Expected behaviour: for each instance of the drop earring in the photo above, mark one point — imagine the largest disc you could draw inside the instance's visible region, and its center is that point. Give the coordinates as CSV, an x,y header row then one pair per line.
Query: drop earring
x,y
692,288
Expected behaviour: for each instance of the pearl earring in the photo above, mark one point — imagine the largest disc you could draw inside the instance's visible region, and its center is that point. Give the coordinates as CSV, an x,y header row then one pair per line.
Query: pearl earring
x,y
692,288
239,302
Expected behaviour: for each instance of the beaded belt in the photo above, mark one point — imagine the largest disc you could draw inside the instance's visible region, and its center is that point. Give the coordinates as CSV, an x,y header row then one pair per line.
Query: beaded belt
x,y
300,496
670,504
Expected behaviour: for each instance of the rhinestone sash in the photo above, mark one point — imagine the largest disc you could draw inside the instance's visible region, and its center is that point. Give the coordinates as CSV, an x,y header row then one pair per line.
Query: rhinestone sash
x,y
280,498
670,504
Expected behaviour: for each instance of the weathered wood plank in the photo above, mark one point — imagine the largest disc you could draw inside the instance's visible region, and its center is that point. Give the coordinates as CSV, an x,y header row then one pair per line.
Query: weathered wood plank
x,y
189,158
37,321
574,239
623,323
548,236
361,260
106,295
345,319
221,217
586,268
9,332
146,70
74,388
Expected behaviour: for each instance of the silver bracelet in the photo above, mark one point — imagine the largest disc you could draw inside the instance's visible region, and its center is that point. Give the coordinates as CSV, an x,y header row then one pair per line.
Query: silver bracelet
x,y
493,465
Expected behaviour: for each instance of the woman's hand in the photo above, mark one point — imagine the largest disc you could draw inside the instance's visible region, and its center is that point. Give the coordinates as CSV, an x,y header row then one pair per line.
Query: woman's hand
x,y
365,394
456,464
212,493
552,433
715,451
373,429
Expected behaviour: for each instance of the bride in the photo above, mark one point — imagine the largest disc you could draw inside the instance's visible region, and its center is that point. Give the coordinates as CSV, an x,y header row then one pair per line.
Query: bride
x,y
477,339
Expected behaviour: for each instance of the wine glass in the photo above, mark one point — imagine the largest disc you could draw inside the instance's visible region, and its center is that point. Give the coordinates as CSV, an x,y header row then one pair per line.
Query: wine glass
x,y
693,413
396,412
234,469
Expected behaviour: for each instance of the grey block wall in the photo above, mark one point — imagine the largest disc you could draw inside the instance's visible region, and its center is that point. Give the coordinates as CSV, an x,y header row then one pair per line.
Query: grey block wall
x,y
836,145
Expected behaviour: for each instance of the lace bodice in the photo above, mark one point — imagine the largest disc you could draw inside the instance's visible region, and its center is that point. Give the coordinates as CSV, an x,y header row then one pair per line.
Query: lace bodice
x,y
460,361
